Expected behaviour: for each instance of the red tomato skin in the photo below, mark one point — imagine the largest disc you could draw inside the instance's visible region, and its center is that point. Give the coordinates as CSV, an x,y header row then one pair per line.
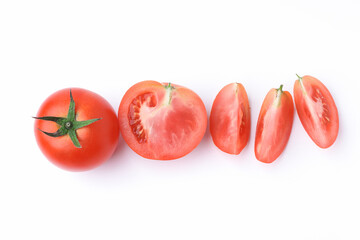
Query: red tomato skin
x,y
230,119
185,114
98,140
323,131
274,126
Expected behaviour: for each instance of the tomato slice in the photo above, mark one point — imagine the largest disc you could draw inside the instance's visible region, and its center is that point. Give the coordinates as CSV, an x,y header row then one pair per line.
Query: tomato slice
x,y
274,125
317,110
230,119
162,121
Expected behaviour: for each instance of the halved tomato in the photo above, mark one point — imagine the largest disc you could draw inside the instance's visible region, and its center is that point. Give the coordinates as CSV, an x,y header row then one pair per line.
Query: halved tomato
x,y
317,110
230,119
161,121
274,125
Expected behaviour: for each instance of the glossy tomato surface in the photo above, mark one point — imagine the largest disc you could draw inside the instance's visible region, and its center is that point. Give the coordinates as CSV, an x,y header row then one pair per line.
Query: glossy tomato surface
x,y
230,119
274,125
317,110
98,140
161,121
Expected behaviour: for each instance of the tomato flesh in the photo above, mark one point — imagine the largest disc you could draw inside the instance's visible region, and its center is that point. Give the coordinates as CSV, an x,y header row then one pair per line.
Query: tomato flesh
x,y
161,121
274,125
317,111
230,119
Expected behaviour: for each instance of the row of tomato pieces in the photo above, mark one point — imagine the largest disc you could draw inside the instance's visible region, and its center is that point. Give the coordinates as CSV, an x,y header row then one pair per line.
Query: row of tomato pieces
x,y
78,130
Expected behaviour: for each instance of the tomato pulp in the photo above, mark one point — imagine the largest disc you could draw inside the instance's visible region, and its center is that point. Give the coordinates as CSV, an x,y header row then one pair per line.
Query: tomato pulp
x,y
274,125
161,121
230,119
85,141
317,110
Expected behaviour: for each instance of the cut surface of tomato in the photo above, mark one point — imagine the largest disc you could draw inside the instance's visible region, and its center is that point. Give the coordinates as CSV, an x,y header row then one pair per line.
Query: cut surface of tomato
x,y
161,121
230,119
274,125
317,110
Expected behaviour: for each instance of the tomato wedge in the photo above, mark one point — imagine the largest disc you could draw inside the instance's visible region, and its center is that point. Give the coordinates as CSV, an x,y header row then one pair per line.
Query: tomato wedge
x,y
230,119
162,121
274,125
317,110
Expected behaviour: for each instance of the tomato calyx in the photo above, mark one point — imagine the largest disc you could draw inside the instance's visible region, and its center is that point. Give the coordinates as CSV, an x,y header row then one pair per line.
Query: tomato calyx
x,y
68,125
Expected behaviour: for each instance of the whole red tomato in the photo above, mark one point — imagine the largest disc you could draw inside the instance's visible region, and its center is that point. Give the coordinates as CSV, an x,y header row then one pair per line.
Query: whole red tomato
x,y
317,110
76,129
161,121
274,125
230,119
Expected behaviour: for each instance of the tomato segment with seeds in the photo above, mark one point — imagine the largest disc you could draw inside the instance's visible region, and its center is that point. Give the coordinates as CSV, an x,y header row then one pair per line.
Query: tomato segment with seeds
x,y
230,119
161,121
317,110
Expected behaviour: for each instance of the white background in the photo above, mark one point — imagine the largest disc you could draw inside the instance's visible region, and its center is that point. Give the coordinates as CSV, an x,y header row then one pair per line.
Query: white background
x,y
107,46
